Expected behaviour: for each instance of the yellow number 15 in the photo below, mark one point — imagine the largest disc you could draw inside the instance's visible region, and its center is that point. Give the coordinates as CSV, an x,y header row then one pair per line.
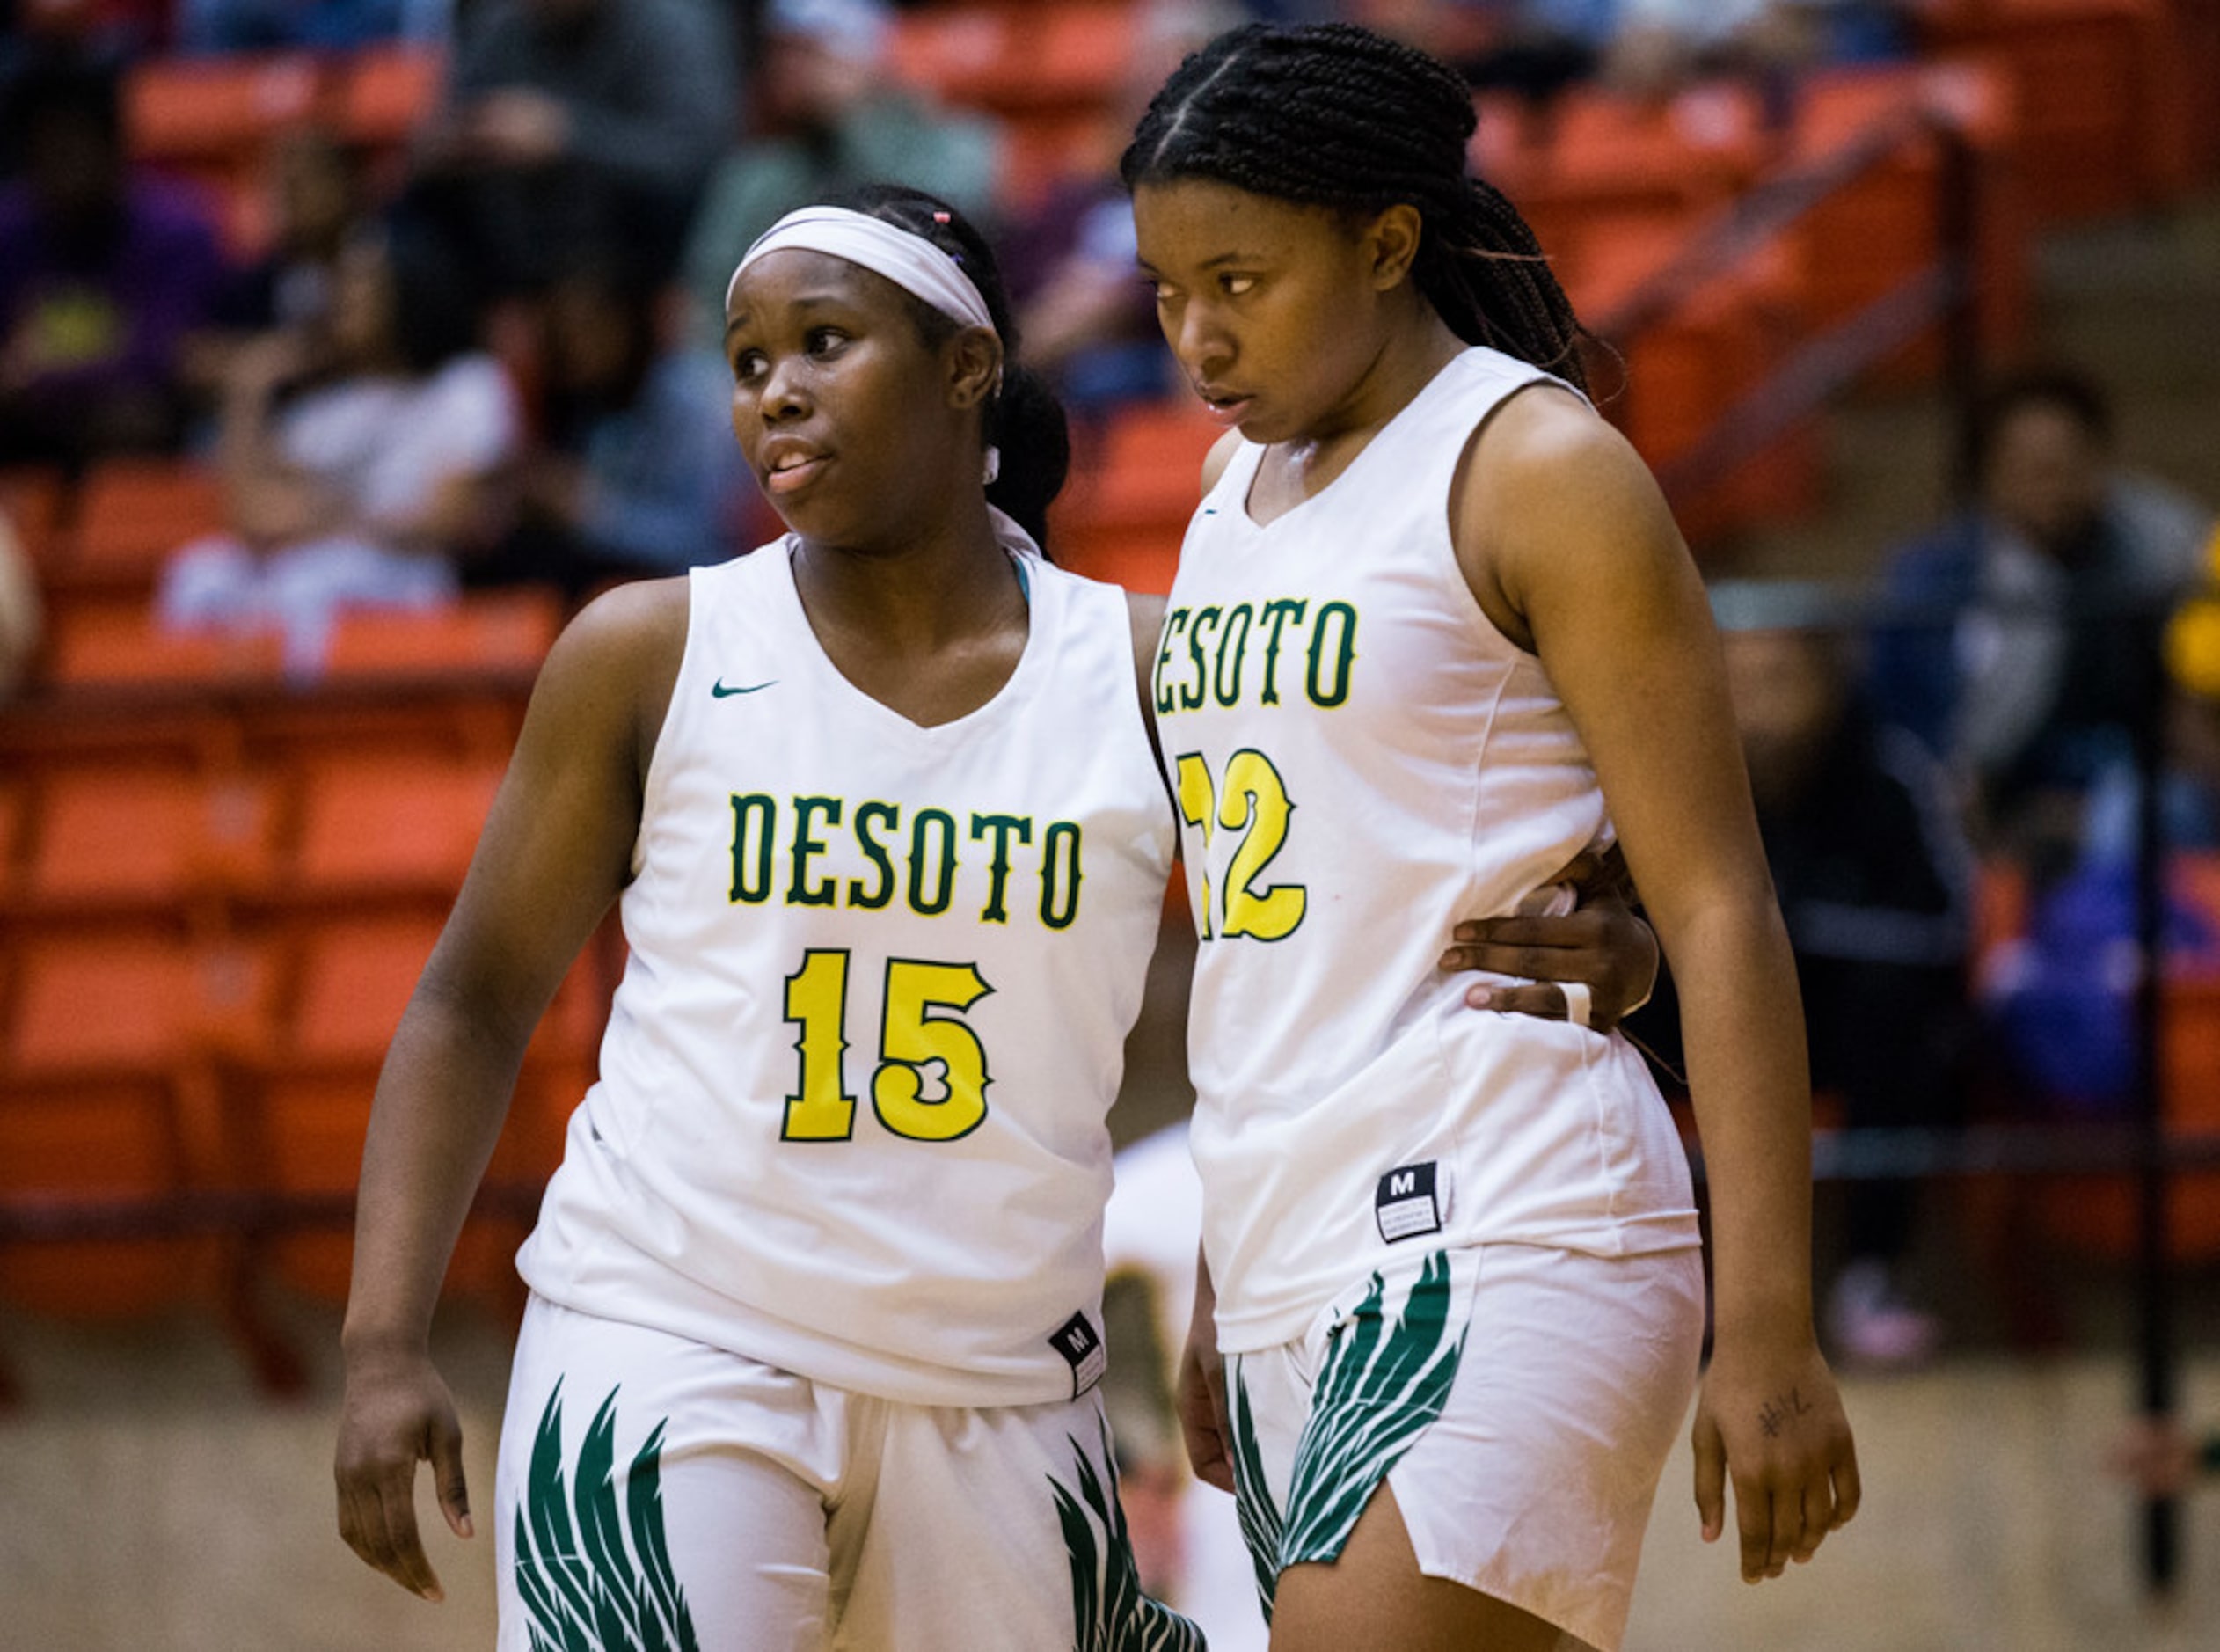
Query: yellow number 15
x,y
911,1038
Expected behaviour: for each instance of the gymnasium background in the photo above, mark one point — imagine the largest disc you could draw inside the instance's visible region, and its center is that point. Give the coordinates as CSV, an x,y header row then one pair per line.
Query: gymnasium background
x,y
1807,267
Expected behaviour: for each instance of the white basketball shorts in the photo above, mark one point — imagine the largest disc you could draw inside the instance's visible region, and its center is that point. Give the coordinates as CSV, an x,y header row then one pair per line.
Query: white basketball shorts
x,y
1520,1400
653,1492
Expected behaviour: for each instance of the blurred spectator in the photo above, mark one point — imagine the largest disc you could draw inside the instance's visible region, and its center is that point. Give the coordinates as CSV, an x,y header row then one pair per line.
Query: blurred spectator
x,y
257,25
318,204
104,272
827,120
107,31
576,124
1874,884
1536,48
1661,45
359,457
1088,322
639,473
21,617
318,200
1533,49
2021,635
2062,995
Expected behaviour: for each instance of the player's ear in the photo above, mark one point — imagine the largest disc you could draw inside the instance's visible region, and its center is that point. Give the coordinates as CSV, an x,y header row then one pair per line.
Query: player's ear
x,y
973,359
1390,244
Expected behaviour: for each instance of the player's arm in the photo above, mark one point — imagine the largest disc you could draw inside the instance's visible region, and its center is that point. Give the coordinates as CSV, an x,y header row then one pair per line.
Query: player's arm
x,y
1569,544
1200,1398
554,852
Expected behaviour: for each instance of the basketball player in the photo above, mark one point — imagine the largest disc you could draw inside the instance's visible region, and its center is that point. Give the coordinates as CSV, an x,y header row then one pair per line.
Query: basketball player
x,y
814,1333
1433,631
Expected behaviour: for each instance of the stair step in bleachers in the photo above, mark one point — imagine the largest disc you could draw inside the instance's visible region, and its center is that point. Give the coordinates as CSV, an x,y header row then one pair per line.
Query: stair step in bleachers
x,y
1887,225
1679,379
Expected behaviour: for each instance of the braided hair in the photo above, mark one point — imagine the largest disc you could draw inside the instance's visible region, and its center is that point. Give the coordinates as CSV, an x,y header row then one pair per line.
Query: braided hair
x,y
1333,115
1024,420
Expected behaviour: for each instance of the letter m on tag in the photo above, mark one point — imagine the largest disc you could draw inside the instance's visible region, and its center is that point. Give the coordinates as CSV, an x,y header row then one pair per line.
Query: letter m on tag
x,y
1408,1203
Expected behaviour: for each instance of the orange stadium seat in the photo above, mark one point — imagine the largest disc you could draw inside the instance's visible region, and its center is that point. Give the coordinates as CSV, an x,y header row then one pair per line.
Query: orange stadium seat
x,y
107,645
351,979
1140,560
502,630
1042,149
215,117
32,498
354,978
1882,228
1134,484
132,512
1602,156
385,92
145,835
385,825
112,1100
1066,54
2108,106
2097,1215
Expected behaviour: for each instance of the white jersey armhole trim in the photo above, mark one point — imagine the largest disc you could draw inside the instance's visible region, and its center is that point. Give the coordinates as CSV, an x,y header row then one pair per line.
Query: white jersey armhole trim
x,y
656,780
1458,590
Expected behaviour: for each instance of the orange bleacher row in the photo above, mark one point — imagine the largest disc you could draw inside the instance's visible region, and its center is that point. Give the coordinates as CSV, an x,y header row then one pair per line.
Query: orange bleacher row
x,y
214,907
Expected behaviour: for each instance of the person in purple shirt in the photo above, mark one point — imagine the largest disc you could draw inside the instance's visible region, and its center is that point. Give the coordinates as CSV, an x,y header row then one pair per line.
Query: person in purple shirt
x,y
104,273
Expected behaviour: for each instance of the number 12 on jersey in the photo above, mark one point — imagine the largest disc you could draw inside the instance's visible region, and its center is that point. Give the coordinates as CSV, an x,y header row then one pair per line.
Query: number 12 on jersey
x,y
912,1037
1251,799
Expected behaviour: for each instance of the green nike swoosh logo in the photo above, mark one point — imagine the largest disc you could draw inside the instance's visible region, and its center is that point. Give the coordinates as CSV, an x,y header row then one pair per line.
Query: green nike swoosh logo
x,y
719,692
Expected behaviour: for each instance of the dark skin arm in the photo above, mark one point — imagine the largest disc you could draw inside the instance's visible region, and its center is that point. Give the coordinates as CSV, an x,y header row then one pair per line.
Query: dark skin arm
x,y
1569,545
554,853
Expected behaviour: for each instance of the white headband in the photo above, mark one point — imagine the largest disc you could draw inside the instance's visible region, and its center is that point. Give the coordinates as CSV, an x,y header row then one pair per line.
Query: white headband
x,y
910,261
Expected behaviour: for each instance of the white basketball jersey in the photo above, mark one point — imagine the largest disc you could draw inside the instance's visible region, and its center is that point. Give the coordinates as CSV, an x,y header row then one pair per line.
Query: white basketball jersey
x,y
1361,759
851,1114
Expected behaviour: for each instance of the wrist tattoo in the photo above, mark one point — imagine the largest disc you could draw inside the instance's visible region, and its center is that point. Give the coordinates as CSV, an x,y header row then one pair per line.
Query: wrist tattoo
x,y
1777,1414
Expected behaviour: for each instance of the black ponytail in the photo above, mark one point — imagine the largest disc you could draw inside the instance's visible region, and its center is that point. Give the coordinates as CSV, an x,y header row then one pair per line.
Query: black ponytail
x,y
1332,115
1024,421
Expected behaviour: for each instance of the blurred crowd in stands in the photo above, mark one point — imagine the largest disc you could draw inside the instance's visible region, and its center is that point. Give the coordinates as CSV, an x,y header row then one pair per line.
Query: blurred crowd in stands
x,y
486,355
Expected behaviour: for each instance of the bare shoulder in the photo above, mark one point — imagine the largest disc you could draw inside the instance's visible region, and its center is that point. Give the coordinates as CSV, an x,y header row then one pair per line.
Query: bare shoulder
x,y
630,627
1549,490
1221,454
1546,449
616,662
